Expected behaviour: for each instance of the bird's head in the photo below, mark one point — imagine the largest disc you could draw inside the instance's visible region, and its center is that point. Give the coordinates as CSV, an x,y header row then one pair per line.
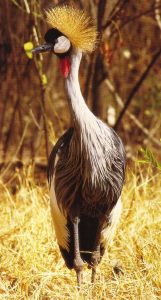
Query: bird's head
x,y
71,29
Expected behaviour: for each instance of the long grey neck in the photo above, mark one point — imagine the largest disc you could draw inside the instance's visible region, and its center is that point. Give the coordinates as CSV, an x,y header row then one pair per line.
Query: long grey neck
x,y
90,133
79,111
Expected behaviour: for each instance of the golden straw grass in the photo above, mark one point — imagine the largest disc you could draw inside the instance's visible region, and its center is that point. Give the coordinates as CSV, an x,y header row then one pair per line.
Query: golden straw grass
x,y
31,266
75,25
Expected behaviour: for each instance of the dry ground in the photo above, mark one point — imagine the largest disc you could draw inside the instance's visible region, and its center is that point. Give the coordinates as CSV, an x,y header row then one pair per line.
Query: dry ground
x,y
30,263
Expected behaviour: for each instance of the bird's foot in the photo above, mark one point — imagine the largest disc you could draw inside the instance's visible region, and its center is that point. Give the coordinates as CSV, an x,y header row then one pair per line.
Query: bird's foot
x,y
94,262
95,259
117,268
93,274
78,267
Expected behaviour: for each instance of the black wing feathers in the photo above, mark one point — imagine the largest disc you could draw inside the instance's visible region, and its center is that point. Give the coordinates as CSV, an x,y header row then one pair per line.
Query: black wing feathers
x,y
63,140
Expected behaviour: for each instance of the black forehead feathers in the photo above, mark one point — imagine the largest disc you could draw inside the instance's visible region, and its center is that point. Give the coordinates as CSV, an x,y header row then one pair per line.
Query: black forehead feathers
x,y
50,38
51,35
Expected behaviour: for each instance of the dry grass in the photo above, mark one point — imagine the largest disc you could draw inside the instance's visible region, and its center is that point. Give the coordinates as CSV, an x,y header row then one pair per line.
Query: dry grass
x,y
30,262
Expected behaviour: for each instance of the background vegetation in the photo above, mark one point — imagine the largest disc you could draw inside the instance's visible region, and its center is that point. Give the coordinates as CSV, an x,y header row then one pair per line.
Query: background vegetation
x,y
121,82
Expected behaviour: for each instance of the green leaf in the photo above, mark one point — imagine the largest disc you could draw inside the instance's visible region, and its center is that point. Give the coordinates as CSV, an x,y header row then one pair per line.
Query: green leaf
x,y
149,158
142,161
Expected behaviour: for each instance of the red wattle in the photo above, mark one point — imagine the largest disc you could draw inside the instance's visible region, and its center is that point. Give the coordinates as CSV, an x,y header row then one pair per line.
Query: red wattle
x,y
65,66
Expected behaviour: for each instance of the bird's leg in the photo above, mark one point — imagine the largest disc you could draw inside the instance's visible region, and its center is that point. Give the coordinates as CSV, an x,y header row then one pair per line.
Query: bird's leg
x,y
78,262
95,261
96,257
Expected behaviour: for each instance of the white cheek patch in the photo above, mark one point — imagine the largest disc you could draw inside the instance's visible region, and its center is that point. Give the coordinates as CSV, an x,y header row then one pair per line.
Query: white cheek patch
x,y
62,45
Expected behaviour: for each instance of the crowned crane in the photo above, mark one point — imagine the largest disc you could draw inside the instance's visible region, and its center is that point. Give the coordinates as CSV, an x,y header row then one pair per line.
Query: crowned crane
x,y
87,165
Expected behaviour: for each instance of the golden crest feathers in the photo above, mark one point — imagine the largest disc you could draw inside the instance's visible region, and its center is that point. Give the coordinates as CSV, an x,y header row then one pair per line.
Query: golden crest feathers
x,y
75,25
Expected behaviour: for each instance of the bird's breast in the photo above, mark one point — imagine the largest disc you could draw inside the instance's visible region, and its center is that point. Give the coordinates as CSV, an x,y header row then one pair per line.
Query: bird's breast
x,y
73,192
90,180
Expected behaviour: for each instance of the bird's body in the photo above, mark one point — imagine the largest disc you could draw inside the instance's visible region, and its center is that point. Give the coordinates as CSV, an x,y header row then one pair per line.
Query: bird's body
x,y
70,195
87,164
87,175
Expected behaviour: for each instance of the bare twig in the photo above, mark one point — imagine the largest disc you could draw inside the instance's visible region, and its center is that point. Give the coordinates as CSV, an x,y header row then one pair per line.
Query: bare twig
x,y
16,107
27,6
137,86
39,72
4,109
115,8
157,13
131,116
138,16
98,63
34,30
45,122
100,13
88,83
17,150
116,12
34,119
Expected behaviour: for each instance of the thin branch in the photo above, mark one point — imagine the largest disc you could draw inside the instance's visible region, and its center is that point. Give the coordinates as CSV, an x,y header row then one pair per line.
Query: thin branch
x,y
117,12
100,14
45,122
115,8
137,86
16,107
18,149
131,116
88,82
42,105
4,108
157,14
42,101
34,30
27,7
141,14
34,119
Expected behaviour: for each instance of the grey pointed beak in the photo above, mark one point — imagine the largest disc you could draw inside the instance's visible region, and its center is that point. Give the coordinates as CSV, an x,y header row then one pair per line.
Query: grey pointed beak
x,y
43,48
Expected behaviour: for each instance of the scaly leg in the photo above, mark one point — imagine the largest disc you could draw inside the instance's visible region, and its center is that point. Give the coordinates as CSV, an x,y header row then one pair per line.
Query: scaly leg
x,y
96,257
78,262
95,262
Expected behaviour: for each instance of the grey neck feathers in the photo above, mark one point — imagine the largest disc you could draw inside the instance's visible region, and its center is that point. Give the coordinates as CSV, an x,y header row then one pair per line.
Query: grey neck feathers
x,y
93,140
78,108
